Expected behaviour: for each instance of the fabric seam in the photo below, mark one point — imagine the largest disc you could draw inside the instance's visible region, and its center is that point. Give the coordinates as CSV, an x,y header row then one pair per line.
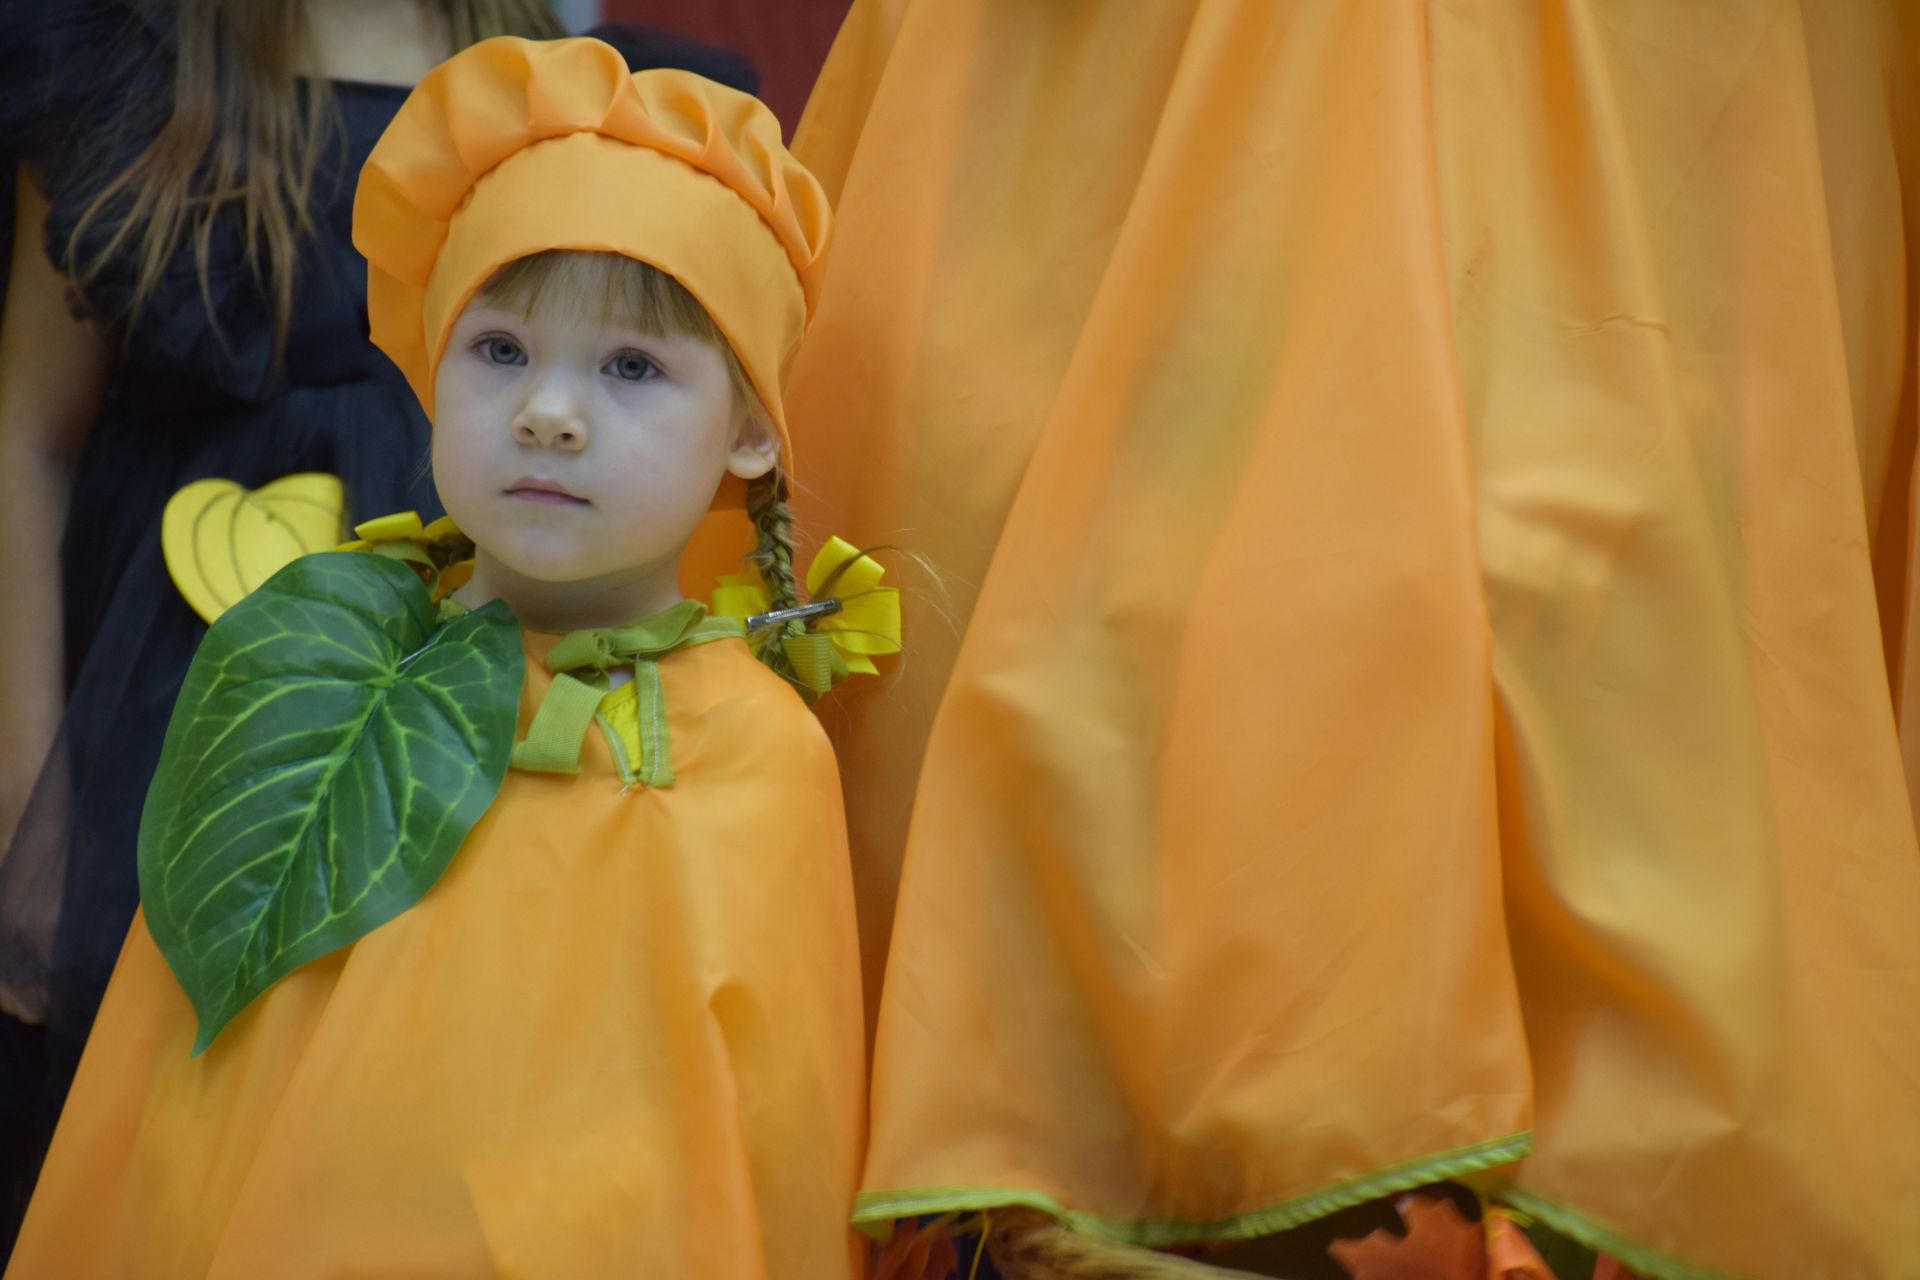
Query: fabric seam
x,y
875,1209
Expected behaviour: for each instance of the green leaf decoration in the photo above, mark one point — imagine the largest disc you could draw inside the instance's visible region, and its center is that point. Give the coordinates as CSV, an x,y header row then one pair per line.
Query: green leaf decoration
x,y
331,748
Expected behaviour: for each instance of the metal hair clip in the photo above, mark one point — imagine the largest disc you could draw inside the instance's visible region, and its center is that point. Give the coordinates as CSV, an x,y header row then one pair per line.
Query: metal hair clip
x,y
799,613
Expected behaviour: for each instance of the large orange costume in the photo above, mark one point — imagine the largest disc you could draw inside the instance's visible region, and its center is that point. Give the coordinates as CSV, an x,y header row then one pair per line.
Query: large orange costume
x,y
1411,478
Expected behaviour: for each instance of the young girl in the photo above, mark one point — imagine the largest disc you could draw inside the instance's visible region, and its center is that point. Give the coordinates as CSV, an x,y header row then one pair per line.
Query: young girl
x,y
392,1006
185,308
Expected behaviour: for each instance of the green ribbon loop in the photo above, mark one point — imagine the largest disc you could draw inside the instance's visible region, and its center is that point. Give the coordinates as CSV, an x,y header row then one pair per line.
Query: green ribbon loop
x,y
817,664
602,648
580,662
553,740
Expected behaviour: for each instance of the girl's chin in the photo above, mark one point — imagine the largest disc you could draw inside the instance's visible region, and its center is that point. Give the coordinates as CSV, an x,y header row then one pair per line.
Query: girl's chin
x,y
540,555
556,569
561,562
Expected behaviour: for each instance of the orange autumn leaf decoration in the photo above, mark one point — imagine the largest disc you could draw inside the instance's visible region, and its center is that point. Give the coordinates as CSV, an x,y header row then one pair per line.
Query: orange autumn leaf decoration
x,y
1510,1255
1440,1244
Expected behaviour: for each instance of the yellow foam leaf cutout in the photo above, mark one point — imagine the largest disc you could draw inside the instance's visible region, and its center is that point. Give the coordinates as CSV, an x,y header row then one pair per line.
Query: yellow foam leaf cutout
x,y
221,539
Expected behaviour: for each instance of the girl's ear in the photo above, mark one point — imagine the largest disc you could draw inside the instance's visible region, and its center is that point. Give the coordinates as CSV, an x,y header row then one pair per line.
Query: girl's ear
x,y
755,449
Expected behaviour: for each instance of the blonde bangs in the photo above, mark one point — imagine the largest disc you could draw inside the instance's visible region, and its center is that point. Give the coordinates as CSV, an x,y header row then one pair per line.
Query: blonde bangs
x,y
618,290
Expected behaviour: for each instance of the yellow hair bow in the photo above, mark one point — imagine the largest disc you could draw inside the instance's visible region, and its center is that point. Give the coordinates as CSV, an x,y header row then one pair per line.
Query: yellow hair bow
x,y
867,625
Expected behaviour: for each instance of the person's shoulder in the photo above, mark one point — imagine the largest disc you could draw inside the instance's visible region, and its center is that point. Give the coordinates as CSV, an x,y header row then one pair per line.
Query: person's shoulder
x,y
760,714
741,684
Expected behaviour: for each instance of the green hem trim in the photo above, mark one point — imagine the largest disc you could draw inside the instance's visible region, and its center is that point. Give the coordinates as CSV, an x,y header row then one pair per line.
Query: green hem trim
x,y
617,748
877,1209
1577,1226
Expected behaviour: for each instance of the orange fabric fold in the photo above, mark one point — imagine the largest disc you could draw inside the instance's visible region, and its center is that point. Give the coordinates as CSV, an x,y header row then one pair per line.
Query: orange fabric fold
x,y
1204,879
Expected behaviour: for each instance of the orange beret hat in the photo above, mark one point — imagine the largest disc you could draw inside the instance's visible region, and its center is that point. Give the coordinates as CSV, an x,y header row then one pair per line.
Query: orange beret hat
x,y
516,146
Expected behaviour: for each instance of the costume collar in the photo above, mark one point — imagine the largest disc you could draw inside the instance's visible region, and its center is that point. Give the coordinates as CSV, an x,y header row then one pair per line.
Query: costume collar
x,y
580,663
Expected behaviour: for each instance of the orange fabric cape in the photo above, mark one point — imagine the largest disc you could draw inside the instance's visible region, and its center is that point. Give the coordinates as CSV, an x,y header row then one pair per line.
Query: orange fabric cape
x,y
1419,486
620,1037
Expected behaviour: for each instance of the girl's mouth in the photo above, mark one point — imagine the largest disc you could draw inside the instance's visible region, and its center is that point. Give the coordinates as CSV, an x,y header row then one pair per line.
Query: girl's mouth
x,y
537,489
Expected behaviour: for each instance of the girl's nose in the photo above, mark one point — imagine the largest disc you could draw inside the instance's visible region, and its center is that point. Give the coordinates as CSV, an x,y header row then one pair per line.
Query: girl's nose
x,y
551,419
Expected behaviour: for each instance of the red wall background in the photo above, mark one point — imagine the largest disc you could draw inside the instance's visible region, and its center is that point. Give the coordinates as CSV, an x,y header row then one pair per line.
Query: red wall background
x,y
786,40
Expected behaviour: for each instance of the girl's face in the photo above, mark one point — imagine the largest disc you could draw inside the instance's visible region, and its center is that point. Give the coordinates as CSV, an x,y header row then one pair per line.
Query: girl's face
x,y
574,449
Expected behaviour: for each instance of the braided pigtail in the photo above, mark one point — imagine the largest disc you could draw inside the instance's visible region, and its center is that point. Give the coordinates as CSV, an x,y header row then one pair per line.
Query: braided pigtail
x,y
819,637
772,558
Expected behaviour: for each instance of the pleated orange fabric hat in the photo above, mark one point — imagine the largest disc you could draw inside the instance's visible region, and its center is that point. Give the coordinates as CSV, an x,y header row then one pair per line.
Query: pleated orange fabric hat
x,y
515,146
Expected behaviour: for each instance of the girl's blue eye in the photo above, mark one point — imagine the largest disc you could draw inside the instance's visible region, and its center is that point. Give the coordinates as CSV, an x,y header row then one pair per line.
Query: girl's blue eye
x,y
631,366
500,350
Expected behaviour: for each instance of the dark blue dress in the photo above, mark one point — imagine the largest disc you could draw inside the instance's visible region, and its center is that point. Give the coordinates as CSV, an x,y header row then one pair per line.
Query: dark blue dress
x,y
196,393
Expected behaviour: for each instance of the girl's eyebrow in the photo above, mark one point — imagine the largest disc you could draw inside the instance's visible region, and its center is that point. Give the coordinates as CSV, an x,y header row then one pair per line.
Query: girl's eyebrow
x,y
634,337
650,335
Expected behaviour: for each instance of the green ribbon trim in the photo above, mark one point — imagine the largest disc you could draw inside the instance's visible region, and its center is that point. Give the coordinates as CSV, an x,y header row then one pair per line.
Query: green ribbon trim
x,y
656,756
1604,1239
875,1211
816,663
580,662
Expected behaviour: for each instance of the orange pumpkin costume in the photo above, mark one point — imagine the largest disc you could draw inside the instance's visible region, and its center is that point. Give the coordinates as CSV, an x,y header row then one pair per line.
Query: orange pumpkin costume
x,y
620,1034
619,1037
1413,479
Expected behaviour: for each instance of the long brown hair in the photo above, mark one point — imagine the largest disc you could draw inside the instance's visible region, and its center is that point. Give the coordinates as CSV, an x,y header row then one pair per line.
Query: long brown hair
x,y
245,133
